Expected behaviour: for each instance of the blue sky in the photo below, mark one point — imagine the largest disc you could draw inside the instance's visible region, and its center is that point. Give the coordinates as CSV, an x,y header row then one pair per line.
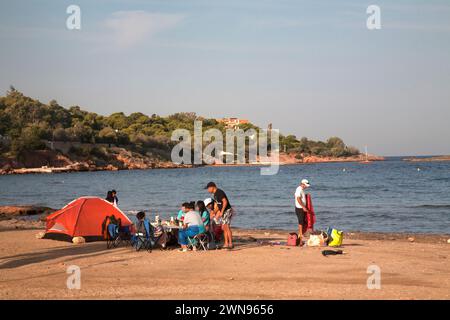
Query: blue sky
x,y
311,68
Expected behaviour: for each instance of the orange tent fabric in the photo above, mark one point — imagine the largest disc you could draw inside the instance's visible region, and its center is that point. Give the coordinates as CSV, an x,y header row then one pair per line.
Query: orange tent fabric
x,y
83,217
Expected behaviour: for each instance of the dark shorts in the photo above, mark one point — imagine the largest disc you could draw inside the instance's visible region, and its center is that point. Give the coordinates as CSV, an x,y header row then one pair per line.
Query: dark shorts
x,y
301,215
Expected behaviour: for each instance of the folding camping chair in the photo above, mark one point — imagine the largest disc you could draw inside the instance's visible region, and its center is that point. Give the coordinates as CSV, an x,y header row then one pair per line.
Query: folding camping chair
x,y
145,241
112,236
142,241
116,235
199,241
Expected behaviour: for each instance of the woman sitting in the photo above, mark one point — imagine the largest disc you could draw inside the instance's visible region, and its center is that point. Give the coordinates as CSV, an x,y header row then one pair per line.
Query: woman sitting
x,y
192,226
216,231
204,213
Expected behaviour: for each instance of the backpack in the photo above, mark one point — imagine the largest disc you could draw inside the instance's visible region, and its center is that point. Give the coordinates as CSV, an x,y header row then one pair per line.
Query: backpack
x,y
292,239
335,237
218,232
105,225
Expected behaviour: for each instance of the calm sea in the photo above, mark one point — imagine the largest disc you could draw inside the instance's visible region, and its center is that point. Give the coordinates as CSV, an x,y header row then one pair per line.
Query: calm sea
x,y
389,196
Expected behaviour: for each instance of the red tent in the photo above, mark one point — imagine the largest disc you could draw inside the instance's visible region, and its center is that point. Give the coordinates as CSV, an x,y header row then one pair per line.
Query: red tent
x,y
83,217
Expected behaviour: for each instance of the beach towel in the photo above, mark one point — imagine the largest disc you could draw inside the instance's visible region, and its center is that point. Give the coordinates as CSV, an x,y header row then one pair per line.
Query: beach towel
x,y
310,217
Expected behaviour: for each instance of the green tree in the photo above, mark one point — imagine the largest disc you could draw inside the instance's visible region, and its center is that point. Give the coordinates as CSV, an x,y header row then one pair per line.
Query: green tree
x,y
60,134
107,135
28,140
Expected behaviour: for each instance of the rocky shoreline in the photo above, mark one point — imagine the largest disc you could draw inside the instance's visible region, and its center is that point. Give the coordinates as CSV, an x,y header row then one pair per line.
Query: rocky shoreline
x,y
86,167
285,159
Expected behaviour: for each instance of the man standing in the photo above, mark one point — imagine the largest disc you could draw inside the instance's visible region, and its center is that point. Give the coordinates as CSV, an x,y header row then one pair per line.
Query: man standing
x,y
300,207
224,212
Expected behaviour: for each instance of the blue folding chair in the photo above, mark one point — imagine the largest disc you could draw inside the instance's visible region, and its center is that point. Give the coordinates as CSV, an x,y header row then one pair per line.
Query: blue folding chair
x,y
145,241
116,235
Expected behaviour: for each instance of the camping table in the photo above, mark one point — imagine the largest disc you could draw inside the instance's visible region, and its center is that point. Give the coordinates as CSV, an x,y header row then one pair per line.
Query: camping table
x,y
172,230
168,227
172,227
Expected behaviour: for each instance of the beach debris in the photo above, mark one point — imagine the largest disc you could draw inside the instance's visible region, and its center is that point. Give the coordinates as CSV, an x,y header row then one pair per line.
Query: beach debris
x,y
249,239
78,240
267,234
327,253
411,239
40,235
448,241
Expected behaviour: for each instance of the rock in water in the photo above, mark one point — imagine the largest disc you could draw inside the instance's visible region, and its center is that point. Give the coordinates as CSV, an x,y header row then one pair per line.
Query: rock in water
x,y
14,211
78,240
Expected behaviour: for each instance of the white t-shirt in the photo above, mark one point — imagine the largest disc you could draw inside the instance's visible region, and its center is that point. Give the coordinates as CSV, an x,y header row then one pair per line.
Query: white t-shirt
x,y
193,218
300,193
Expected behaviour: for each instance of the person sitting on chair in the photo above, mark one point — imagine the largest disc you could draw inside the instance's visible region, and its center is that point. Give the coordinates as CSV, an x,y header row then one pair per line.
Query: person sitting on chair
x,y
192,226
146,230
215,229
182,211
204,213
140,224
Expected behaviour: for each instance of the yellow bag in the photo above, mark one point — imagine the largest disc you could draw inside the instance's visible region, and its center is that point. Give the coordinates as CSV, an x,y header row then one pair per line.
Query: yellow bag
x,y
336,238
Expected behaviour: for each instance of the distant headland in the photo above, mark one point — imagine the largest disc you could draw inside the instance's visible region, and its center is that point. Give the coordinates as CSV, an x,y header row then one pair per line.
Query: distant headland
x,y
428,159
47,138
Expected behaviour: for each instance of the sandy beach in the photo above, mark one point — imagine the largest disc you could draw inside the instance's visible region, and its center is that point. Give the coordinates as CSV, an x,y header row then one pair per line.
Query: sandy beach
x,y
256,269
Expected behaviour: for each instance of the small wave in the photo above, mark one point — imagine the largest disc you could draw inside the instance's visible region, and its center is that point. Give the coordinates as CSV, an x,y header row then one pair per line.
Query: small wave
x,y
134,212
441,179
431,206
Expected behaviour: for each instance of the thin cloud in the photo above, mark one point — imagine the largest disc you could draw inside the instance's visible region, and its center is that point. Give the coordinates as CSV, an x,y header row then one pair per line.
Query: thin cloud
x,y
417,27
130,28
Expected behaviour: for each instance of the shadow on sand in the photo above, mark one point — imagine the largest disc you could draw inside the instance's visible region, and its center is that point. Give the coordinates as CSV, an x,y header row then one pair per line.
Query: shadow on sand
x,y
15,261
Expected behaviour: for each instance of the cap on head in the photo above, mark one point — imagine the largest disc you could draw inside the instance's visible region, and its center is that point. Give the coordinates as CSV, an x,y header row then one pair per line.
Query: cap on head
x,y
306,182
210,185
208,201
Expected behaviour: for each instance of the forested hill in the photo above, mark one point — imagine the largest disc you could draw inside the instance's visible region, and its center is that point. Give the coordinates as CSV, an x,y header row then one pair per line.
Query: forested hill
x,y
28,125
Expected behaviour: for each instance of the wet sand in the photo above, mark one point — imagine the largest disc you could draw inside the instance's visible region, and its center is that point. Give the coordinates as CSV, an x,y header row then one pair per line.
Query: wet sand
x,y
255,269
